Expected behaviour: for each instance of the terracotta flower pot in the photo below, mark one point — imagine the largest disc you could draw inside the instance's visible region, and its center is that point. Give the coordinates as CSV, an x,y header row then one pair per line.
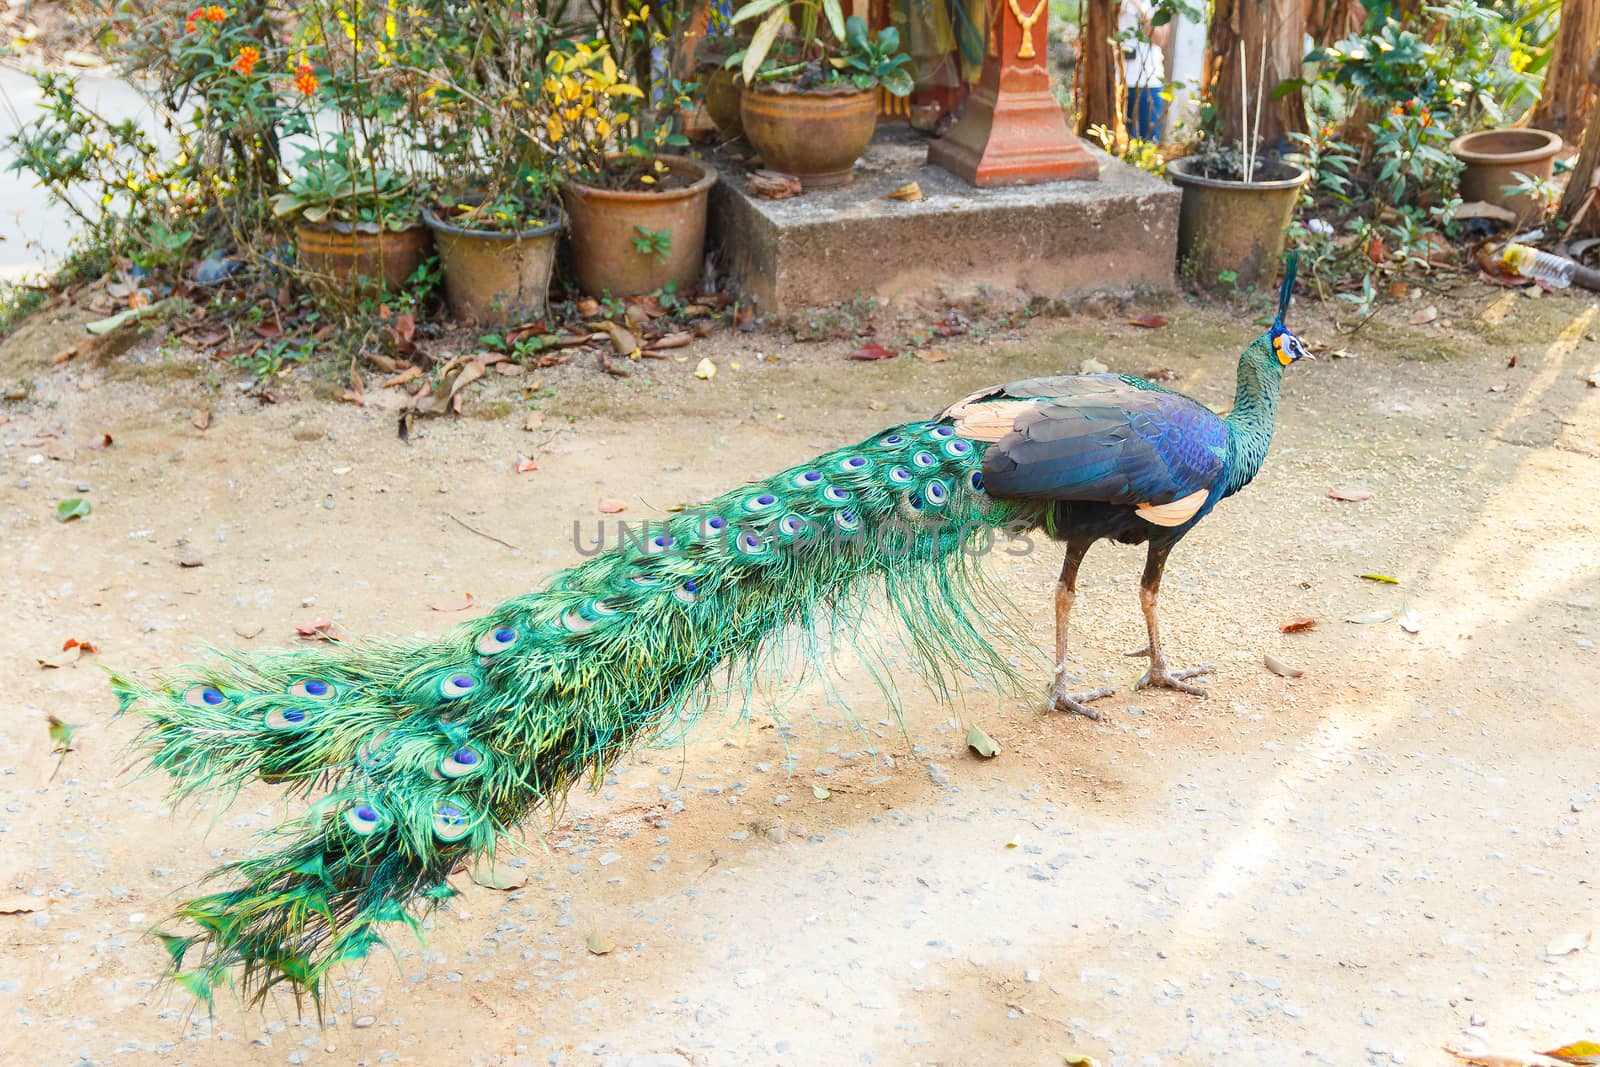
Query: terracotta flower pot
x,y
356,264
1234,226
604,223
1492,160
815,135
493,277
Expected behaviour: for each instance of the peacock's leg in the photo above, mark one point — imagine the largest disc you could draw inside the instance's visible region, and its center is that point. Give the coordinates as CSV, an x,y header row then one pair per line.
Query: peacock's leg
x,y
1159,673
1066,593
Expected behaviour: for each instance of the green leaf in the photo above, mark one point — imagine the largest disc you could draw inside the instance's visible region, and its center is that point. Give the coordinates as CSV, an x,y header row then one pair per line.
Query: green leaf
x,y
761,43
982,743
898,82
1383,578
493,341
888,41
755,8
68,510
820,792
855,33
862,80
835,16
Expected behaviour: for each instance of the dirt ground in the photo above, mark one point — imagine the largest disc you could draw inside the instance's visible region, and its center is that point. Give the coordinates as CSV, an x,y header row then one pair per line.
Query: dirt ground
x,y
1362,864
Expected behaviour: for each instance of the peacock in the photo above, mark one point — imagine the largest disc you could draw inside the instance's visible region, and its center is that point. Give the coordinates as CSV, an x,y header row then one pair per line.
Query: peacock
x,y
418,756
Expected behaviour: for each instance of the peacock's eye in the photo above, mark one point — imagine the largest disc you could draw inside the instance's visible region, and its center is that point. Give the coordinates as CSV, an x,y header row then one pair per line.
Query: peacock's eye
x,y
450,821
204,696
286,718
365,818
496,641
457,685
314,688
461,762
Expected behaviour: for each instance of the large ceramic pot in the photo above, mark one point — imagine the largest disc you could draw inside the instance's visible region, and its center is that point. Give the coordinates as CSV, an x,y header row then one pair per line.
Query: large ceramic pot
x,y
493,277
816,135
1234,226
356,262
1492,160
604,224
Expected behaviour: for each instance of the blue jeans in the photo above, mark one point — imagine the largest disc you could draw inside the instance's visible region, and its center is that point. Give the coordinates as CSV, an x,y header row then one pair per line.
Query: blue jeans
x,y
1145,109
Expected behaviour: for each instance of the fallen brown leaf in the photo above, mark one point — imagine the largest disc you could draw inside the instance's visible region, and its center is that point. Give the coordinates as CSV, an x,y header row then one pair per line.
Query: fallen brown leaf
x,y
525,464
22,905
103,441
1278,667
1163,374
1297,624
1425,316
873,351
910,191
1149,322
467,601
407,375
677,339
612,506
317,630
1352,495
622,339
932,355
201,420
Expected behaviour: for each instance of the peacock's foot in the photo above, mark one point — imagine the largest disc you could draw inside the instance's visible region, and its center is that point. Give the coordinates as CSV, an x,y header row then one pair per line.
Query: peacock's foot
x,y
1077,703
1170,679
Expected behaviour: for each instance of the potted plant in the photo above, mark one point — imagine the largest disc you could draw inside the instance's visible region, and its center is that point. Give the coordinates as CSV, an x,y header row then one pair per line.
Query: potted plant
x,y
810,105
1498,164
637,214
1235,213
356,225
493,207
353,202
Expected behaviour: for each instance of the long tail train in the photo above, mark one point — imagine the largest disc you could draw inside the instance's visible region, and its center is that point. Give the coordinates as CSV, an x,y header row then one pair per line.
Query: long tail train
x,y
423,754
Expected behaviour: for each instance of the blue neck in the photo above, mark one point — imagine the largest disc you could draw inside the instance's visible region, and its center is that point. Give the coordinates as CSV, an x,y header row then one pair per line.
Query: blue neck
x,y
1255,407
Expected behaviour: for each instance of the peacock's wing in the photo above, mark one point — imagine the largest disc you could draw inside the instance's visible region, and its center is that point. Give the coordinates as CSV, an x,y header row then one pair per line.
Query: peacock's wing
x,y
1105,438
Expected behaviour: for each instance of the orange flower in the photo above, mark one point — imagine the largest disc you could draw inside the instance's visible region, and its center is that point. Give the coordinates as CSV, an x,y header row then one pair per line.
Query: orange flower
x,y
215,13
305,80
194,17
248,57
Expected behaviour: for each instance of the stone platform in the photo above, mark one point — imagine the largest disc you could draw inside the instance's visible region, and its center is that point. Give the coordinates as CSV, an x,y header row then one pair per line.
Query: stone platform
x,y
1058,239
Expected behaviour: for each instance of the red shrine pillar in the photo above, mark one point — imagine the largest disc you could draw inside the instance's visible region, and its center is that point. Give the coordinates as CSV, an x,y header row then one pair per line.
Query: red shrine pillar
x,y
1013,131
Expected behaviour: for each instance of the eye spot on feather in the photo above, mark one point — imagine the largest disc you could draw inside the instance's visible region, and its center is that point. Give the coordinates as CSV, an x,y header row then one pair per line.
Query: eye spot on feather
x,y
942,431
834,495
793,525
365,818
450,821
899,476
808,479
893,440
311,688
936,493
688,592
457,685
957,448
925,460
853,463
496,641
286,718
761,502
460,763
716,523
204,696
975,479
371,754
748,543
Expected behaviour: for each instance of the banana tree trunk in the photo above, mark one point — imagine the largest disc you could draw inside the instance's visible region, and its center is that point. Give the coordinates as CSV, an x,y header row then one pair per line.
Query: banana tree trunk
x,y
1279,27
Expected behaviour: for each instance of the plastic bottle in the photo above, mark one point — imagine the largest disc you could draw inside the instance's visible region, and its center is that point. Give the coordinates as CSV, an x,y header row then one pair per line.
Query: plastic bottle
x,y
1554,271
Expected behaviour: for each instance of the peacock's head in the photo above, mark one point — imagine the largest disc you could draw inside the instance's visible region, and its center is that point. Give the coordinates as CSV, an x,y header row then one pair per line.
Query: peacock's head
x,y
1286,347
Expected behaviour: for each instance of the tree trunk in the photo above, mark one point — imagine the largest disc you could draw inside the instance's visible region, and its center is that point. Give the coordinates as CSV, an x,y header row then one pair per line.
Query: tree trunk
x,y
1581,194
1279,25
1099,85
1568,94
1331,21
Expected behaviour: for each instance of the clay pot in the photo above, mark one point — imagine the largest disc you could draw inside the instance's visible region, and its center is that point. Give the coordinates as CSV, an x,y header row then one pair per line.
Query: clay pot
x,y
1234,225
356,264
493,277
721,99
816,136
1492,157
604,222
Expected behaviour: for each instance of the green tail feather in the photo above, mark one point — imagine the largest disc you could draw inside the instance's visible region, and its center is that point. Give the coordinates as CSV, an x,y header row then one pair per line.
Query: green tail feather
x,y
424,754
